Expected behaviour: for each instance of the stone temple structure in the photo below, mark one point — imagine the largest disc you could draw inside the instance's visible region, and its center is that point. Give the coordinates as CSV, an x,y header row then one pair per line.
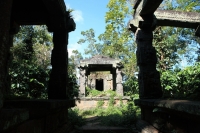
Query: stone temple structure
x,y
101,73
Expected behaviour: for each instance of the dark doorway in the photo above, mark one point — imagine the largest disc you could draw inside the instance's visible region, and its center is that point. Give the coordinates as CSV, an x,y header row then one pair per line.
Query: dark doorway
x,y
99,84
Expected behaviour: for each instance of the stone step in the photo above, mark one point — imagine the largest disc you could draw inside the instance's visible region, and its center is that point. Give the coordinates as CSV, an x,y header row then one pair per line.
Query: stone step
x,y
102,129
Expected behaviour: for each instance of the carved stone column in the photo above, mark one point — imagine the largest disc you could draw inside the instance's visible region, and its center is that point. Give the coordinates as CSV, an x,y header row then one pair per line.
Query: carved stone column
x,y
5,40
143,24
149,77
58,79
119,87
82,82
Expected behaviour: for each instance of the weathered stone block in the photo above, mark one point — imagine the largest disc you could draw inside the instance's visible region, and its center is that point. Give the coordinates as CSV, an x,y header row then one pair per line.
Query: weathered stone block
x,y
12,117
1,99
177,18
30,126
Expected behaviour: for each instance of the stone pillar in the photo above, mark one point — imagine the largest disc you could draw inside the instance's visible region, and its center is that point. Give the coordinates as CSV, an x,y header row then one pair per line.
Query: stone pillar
x,y
149,77
57,88
82,82
119,87
108,82
5,17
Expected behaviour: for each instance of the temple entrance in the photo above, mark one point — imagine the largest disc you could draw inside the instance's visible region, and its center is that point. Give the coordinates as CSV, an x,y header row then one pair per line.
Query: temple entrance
x,y
99,84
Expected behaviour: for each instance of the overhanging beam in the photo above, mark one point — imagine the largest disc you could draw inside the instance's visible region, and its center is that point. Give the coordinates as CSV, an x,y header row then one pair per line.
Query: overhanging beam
x,y
177,18
145,7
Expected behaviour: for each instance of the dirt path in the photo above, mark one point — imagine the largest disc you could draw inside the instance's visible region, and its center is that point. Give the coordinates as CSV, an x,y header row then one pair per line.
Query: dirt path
x,y
93,125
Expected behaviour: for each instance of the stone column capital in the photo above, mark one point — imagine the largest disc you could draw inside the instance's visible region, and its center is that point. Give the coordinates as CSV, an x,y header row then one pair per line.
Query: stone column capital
x,y
64,23
147,22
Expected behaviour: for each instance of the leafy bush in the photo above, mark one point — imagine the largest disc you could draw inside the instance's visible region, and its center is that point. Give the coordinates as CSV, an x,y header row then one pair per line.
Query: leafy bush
x,y
100,103
131,87
124,115
73,86
183,84
74,118
28,79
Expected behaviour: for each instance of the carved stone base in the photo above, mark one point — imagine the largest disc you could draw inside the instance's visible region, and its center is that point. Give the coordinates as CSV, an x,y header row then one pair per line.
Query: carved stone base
x,y
119,89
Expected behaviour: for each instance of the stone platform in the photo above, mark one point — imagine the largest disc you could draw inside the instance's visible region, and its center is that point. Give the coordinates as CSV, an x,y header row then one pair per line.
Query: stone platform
x,y
91,102
171,115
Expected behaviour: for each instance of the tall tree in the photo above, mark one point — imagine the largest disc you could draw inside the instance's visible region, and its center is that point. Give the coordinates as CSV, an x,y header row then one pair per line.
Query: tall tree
x,y
116,41
74,61
94,47
31,56
175,45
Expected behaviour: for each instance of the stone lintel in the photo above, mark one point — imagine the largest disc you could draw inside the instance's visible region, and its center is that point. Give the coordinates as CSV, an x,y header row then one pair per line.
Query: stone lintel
x,y
197,33
177,18
145,7
100,59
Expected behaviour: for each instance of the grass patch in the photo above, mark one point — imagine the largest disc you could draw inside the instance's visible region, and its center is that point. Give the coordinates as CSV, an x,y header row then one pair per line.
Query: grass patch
x,y
125,115
74,118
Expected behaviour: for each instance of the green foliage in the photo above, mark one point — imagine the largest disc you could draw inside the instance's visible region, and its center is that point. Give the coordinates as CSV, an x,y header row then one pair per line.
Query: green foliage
x,y
183,84
125,115
28,79
74,118
95,93
111,101
73,86
31,56
93,48
73,62
175,44
131,87
116,42
100,103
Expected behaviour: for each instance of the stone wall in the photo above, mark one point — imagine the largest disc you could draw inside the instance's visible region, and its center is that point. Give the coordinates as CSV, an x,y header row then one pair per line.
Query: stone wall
x,y
87,103
5,13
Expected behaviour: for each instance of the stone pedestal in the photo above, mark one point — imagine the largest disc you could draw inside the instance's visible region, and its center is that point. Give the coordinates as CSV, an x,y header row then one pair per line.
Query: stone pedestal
x,y
82,82
58,79
149,77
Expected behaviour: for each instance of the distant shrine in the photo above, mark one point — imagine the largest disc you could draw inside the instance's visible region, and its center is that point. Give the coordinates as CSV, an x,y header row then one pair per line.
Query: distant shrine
x,y
101,73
